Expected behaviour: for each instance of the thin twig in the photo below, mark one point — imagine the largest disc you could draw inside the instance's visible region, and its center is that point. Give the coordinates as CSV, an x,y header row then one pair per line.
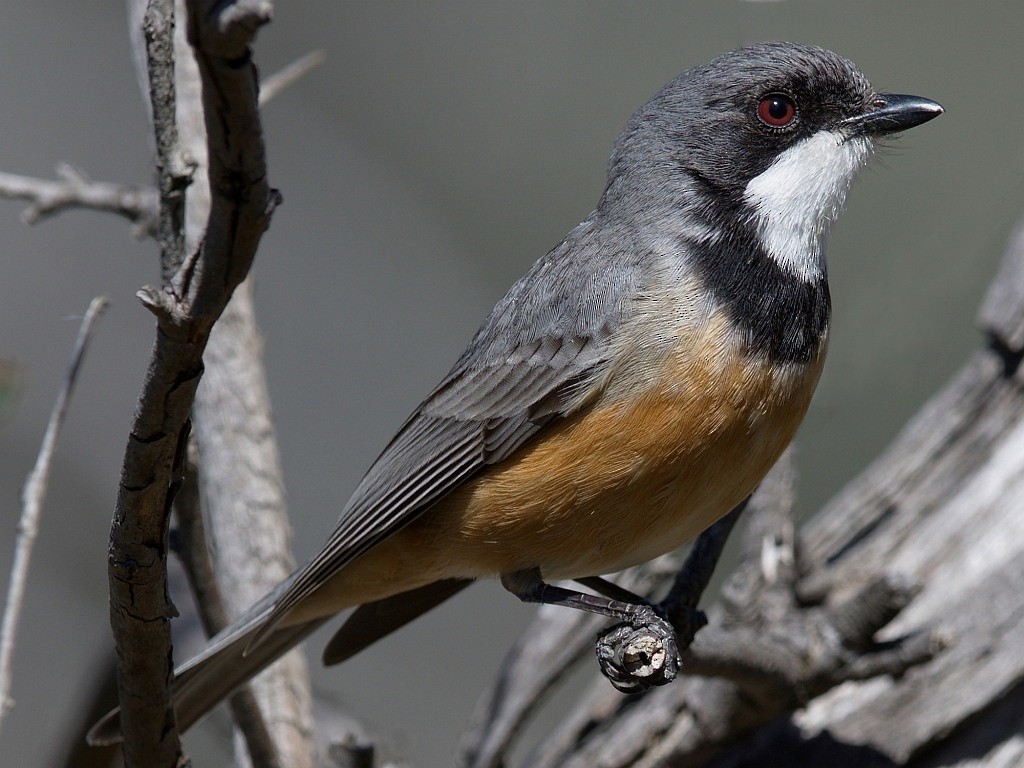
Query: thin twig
x,y
73,189
295,71
32,503
140,205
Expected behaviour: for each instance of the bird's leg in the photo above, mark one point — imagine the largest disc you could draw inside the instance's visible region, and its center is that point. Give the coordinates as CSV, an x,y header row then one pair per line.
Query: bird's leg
x,y
610,589
680,604
636,657
641,648
529,587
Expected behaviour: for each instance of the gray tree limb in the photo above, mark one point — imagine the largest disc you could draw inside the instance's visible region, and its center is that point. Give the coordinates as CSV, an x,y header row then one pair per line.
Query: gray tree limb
x,y
240,484
243,498
192,547
73,189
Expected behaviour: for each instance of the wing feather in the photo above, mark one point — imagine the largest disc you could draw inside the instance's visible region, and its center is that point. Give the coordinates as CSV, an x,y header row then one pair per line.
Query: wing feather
x,y
541,353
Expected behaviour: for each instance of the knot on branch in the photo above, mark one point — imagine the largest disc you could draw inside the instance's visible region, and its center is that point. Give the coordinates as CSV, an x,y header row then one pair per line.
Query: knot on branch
x,y
168,309
857,618
1002,312
178,173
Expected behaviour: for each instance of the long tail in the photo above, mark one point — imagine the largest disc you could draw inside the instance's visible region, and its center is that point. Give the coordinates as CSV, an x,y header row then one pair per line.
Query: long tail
x,y
206,679
223,666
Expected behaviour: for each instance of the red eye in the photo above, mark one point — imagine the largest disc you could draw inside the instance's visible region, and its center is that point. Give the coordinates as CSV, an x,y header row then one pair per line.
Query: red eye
x,y
776,110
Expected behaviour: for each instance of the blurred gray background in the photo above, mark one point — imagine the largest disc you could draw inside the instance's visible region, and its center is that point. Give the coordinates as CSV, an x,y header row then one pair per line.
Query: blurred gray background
x,y
438,152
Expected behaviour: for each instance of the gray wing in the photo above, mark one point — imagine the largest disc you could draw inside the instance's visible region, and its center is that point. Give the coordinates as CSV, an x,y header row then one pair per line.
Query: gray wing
x,y
542,349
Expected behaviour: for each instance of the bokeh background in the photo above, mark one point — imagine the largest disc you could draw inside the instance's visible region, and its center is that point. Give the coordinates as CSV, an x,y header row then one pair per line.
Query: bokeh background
x,y
439,151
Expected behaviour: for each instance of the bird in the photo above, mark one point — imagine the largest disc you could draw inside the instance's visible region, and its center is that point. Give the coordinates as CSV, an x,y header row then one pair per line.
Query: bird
x,y
632,388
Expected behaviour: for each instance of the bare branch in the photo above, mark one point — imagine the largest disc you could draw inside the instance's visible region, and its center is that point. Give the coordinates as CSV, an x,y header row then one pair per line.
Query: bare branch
x,y
32,498
73,189
292,73
241,484
173,169
240,481
197,289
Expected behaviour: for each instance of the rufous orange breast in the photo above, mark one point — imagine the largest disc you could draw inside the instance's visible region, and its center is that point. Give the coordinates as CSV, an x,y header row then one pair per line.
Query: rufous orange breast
x,y
632,475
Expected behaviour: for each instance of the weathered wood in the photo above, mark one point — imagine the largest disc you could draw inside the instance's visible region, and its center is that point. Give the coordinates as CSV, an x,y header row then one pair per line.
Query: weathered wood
x,y
944,503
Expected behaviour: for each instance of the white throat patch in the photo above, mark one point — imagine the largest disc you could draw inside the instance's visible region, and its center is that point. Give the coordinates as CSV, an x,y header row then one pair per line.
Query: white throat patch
x,y
798,198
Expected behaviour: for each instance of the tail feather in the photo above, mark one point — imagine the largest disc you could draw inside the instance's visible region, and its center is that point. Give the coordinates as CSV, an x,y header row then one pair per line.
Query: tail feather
x,y
244,649
211,676
208,681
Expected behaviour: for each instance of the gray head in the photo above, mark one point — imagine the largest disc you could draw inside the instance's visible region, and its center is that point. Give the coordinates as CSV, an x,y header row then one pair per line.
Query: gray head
x,y
772,133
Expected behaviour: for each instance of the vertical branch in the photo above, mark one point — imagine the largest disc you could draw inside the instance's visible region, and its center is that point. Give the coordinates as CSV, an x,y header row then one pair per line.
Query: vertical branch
x,y
196,289
240,479
240,199
173,173
242,490
194,553
239,476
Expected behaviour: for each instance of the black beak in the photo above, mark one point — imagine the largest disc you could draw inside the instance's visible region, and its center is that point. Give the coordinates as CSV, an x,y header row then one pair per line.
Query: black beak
x,y
892,112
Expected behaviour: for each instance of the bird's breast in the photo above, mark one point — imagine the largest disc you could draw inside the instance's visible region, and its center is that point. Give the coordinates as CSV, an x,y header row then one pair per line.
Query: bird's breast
x,y
668,448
